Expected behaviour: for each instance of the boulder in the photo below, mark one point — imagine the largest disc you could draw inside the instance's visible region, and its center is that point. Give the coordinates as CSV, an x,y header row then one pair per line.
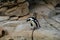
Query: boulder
x,y
57,18
3,32
20,10
45,10
46,35
20,1
2,18
22,35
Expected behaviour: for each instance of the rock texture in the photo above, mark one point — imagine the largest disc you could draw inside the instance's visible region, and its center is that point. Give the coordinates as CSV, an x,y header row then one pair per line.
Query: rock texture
x,y
46,35
19,9
47,10
21,30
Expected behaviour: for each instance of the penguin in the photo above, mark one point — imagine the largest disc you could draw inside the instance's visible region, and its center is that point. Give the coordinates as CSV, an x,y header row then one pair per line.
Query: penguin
x,y
33,22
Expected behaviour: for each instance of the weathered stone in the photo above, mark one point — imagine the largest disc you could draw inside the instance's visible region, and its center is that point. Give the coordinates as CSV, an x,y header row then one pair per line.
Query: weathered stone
x,y
25,34
22,35
22,27
3,32
12,23
20,1
54,24
10,2
2,18
19,11
46,10
57,8
14,18
24,17
45,25
20,30
10,26
46,35
57,18
53,2
2,10
10,10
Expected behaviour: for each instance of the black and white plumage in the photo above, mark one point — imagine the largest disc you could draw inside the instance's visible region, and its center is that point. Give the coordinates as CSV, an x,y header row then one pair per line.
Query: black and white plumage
x,y
34,23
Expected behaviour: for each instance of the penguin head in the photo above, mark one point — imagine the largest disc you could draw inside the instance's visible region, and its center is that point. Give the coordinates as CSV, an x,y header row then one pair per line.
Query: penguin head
x,y
30,19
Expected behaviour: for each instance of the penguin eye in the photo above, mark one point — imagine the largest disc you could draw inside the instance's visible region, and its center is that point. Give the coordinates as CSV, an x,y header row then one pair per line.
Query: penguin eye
x,y
28,19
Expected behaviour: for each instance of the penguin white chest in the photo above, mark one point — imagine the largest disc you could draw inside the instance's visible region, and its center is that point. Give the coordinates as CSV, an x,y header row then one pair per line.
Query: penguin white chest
x,y
32,24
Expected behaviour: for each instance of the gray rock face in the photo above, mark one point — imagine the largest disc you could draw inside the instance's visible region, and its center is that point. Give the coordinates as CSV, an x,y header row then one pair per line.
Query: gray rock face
x,y
22,35
3,18
18,11
46,35
47,10
57,18
20,29
20,1
54,24
10,9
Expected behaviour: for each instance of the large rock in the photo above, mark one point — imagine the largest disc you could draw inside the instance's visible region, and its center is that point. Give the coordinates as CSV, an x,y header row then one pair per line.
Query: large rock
x,y
22,31
46,35
15,26
2,18
53,2
3,32
20,1
18,11
57,18
22,35
46,10
55,24
2,10
45,25
13,9
11,26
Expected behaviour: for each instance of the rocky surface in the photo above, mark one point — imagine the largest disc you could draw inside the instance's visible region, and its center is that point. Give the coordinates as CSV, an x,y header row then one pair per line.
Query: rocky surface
x,y
19,9
57,18
42,10
21,30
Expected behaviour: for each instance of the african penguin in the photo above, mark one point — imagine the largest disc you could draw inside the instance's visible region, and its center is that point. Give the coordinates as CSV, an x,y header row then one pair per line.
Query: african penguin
x,y
34,23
